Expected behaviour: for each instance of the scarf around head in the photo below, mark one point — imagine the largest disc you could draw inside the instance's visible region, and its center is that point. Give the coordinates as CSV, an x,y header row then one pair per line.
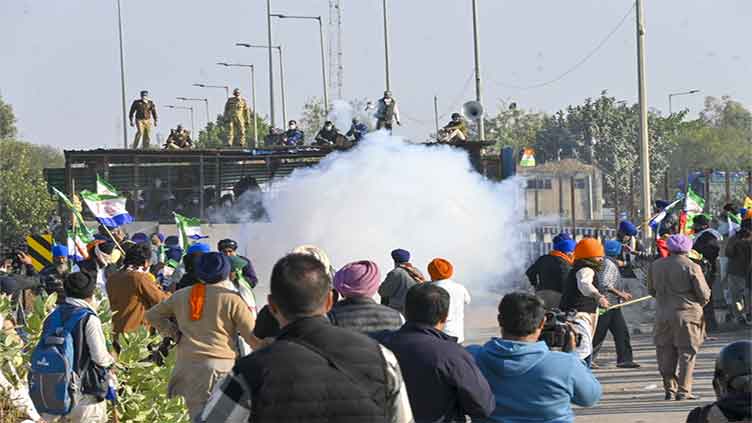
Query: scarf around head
x,y
358,279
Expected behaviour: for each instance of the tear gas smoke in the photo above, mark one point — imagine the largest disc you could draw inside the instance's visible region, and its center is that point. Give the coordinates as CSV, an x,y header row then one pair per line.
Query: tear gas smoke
x,y
386,194
342,112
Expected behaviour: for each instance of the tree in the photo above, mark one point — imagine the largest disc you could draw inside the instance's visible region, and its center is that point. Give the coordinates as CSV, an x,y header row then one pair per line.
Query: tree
x,y
605,132
313,117
25,203
513,126
7,121
214,135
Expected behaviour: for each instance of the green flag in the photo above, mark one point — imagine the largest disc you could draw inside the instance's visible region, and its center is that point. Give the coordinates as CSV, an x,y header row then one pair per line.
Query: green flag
x,y
189,230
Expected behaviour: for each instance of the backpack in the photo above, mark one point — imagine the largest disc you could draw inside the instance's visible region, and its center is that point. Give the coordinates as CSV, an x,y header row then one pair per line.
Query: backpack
x,y
54,384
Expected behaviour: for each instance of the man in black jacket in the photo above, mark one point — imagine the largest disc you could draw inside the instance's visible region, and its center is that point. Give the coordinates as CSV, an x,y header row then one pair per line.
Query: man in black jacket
x,y
443,382
548,273
708,243
313,371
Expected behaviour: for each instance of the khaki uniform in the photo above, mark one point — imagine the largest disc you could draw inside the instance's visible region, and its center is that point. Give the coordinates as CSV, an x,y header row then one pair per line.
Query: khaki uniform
x,y
179,139
680,291
236,114
143,111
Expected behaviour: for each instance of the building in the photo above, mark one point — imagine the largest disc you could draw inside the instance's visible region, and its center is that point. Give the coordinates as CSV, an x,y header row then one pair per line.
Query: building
x,y
549,190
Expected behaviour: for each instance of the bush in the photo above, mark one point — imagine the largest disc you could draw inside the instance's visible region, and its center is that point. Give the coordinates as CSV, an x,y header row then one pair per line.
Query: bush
x,y
142,393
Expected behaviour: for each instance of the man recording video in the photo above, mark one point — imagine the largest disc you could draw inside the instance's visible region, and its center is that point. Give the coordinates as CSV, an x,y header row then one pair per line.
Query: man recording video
x,y
531,382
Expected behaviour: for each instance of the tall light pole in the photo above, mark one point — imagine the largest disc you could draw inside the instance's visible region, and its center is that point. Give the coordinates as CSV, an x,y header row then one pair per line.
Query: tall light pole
x,y
269,44
281,77
122,77
670,96
253,96
323,56
225,87
476,46
206,103
386,46
193,122
644,147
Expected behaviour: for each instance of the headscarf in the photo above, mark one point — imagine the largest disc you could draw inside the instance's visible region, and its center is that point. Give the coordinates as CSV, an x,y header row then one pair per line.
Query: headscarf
x,y
564,243
211,268
679,244
440,269
400,256
358,279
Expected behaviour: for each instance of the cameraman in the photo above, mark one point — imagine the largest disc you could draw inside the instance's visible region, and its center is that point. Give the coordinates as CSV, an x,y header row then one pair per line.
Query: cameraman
x,y
530,382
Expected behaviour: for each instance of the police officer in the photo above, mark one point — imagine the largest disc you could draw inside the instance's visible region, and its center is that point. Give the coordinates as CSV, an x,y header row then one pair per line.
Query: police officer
x,y
179,139
236,115
387,112
455,130
327,135
143,109
358,130
732,383
293,135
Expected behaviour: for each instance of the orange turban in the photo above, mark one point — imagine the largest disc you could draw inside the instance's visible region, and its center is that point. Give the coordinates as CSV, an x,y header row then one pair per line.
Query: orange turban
x,y
440,269
588,248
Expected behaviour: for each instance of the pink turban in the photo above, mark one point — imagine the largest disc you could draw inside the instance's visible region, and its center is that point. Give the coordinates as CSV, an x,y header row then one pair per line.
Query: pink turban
x,y
679,244
358,279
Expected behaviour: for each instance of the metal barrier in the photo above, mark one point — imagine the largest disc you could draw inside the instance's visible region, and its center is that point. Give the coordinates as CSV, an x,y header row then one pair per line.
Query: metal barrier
x,y
541,239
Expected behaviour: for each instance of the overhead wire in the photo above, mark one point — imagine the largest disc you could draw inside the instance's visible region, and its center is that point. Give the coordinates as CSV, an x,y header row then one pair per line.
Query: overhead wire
x,y
578,64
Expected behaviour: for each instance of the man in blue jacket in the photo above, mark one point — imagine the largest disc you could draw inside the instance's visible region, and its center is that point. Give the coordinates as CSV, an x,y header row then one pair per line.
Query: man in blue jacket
x,y
443,382
530,382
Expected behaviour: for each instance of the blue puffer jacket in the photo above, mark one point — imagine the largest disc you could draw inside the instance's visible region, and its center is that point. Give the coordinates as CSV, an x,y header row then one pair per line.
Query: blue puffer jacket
x,y
532,383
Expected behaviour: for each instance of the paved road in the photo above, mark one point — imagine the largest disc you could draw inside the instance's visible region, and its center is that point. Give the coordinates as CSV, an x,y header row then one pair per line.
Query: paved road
x,y
630,395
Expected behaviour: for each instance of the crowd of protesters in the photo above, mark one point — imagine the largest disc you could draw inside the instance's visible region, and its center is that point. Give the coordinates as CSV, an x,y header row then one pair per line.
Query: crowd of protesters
x,y
350,345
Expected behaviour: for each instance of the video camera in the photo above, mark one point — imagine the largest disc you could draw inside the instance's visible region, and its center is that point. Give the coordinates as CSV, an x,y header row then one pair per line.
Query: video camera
x,y
557,331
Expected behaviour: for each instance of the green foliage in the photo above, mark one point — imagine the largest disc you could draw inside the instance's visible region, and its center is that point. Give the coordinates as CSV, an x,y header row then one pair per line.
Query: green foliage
x,y
514,127
26,203
214,135
606,133
142,394
7,121
313,117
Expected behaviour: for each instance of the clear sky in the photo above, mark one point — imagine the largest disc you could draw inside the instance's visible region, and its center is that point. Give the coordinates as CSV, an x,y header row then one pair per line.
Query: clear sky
x,y
59,63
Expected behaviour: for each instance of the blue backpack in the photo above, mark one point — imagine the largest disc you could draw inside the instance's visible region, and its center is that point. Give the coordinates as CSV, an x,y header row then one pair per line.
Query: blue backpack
x,y
54,384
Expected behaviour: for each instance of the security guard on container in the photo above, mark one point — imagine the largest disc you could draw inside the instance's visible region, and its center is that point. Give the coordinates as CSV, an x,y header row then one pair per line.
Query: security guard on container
x,y
237,117
143,109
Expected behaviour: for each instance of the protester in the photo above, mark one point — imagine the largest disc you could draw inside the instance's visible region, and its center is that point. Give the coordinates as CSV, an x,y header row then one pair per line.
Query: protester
x,y
132,291
732,383
680,291
358,282
91,359
548,273
399,280
708,243
229,247
739,278
190,260
443,382
266,325
530,382
609,284
159,249
632,251
340,375
441,270
140,238
668,227
52,276
104,260
205,320
581,294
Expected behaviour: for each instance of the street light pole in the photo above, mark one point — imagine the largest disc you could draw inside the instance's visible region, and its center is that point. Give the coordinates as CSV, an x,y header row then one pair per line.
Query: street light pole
x,y
122,76
670,108
386,46
323,54
271,66
189,108
205,100
224,87
253,95
644,148
478,96
281,74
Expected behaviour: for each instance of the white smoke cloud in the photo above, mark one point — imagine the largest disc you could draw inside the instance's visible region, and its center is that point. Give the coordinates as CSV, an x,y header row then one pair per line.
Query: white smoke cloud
x,y
387,194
